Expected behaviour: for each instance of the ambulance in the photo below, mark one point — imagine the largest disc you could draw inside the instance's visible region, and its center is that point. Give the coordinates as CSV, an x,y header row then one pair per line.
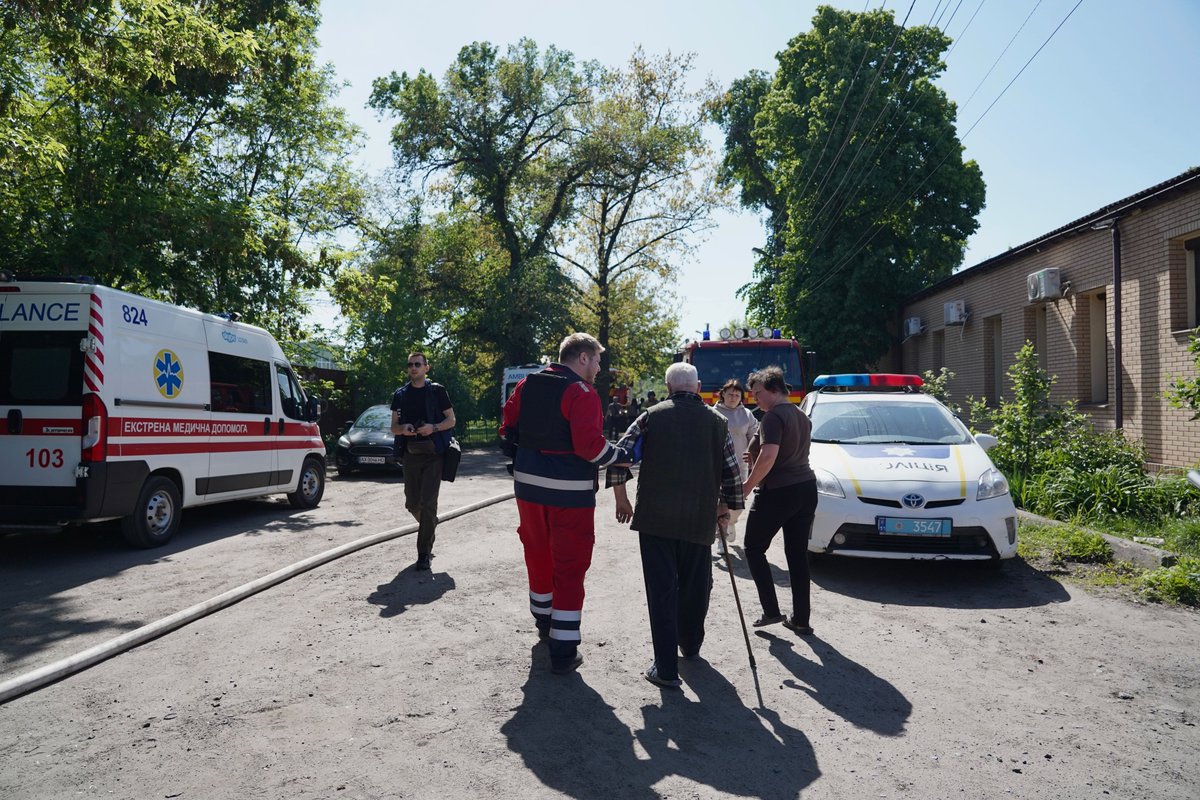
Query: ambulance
x,y
118,407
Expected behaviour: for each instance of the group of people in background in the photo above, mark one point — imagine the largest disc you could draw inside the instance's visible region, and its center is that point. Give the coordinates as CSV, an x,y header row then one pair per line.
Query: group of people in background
x,y
620,412
697,465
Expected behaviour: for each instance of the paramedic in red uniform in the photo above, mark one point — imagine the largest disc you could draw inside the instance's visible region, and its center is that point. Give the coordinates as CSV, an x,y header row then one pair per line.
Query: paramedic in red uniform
x,y
555,421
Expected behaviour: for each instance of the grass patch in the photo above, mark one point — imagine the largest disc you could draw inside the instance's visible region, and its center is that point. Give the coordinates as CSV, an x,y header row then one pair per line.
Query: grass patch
x,y
1180,536
1084,557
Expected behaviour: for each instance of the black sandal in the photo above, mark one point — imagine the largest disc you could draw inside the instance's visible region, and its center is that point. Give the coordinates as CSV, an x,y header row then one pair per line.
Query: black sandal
x,y
764,620
803,630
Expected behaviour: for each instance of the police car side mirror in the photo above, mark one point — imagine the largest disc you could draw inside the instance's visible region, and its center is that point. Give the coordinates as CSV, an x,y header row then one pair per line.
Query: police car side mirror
x,y
1194,478
986,440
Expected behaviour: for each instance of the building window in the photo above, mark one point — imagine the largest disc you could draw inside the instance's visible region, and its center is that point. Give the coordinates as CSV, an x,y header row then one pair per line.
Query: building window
x,y
1098,347
993,361
1192,249
1041,342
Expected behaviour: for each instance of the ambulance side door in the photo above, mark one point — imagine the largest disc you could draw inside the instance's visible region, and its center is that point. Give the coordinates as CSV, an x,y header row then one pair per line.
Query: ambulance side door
x,y
242,435
291,429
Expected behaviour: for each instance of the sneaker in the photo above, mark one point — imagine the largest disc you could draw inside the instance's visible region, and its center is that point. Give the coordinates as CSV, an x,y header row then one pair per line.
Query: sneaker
x,y
543,632
423,561
764,620
652,675
569,667
803,630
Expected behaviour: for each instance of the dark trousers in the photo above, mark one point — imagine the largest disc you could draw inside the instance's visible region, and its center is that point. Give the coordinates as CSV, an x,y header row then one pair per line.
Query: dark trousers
x,y
678,578
791,508
422,482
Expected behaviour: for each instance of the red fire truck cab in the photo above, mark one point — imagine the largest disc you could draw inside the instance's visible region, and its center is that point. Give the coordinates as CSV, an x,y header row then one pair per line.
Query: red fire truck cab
x,y
739,352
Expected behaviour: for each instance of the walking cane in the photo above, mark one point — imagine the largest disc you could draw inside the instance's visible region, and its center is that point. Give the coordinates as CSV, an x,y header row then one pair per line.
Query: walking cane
x,y
736,598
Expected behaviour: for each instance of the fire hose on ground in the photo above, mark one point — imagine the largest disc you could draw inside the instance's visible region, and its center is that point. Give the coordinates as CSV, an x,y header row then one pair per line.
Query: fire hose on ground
x,y
37,678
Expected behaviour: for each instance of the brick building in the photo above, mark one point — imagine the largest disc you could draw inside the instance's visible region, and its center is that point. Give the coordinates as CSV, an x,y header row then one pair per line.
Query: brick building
x,y
1109,302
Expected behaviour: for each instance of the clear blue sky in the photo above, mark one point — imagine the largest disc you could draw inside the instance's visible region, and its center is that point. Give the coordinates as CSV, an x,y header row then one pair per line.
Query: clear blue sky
x,y
1108,108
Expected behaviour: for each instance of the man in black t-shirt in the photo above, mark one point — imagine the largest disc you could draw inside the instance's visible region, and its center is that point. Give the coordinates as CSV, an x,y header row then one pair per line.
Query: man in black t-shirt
x,y
422,421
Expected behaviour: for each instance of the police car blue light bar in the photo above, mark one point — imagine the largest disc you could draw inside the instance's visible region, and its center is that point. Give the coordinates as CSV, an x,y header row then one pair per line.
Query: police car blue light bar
x,y
865,380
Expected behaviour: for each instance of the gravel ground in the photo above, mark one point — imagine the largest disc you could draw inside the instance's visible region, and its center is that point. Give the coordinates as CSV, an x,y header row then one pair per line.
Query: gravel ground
x,y
366,679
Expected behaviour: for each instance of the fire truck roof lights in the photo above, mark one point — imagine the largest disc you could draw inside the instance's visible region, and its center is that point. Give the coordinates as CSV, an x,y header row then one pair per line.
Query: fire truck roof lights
x,y
864,380
750,333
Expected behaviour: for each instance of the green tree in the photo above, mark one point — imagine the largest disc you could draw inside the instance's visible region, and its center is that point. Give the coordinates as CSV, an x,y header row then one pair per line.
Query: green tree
x,y
642,330
425,283
643,205
851,151
187,151
504,129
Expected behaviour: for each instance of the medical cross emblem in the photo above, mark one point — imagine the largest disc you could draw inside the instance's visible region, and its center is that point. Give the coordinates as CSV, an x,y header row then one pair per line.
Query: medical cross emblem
x,y
168,374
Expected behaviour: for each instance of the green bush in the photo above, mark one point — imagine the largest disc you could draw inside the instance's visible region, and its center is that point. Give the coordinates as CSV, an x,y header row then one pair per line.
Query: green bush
x,y
1179,583
1083,547
1058,465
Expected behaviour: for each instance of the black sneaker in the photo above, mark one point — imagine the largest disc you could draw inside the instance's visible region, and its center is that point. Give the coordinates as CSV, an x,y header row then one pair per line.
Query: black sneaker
x,y
568,667
423,561
543,632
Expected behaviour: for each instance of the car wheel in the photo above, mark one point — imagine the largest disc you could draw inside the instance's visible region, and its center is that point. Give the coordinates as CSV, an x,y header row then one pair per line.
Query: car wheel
x,y
156,516
311,487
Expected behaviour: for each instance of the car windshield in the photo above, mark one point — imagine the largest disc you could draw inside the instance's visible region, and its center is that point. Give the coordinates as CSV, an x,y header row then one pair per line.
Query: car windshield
x,y
869,421
379,417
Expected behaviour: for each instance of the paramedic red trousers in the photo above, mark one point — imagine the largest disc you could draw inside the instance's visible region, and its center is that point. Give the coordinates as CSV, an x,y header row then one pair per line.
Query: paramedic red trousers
x,y
558,551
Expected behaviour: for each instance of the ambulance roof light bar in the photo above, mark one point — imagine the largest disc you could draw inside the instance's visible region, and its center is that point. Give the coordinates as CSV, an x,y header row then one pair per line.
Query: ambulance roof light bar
x,y
867,381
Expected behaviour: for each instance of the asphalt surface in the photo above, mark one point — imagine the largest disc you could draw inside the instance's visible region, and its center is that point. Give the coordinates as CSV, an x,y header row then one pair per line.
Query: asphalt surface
x,y
366,679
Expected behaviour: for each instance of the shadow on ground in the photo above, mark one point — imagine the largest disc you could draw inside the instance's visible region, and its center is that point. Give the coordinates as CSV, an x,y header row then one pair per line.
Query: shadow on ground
x,y
845,687
573,741
410,587
940,584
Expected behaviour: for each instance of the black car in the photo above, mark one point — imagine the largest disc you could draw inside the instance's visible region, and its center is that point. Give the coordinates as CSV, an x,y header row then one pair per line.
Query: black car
x,y
367,442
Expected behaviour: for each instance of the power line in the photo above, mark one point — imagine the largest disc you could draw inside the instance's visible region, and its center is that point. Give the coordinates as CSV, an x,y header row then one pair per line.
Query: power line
x,y
864,240
888,112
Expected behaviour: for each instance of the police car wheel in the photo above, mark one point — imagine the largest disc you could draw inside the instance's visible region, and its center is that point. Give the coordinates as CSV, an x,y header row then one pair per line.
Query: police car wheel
x,y
156,516
311,487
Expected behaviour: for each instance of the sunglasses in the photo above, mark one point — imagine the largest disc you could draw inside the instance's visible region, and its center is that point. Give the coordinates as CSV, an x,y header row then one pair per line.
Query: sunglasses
x,y
412,364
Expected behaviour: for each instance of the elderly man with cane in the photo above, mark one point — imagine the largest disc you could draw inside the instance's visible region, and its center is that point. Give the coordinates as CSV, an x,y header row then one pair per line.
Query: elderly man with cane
x,y
689,480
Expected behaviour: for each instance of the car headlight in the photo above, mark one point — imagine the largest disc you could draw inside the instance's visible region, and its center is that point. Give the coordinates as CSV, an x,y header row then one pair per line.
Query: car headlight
x,y
344,442
827,484
992,484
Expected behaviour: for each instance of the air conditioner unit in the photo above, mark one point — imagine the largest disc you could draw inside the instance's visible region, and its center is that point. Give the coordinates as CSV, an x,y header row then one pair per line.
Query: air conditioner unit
x,y
1045,284
913,327
956,312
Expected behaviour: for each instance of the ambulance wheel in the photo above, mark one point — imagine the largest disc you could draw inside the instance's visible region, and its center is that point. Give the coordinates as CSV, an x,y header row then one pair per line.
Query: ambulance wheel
x,y
156,516
311,487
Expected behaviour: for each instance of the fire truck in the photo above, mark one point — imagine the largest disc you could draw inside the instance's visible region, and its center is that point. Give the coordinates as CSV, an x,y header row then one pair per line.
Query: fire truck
x,y
739,351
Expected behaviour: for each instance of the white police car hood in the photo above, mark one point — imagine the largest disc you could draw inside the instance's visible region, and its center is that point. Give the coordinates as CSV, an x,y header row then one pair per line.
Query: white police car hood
x,y
866,469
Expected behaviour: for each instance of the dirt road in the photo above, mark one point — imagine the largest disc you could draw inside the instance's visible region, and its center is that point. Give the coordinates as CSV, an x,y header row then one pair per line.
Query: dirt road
x,y
365,679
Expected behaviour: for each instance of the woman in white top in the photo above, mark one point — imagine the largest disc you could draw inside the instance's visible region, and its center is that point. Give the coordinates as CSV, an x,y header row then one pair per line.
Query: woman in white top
x,y
742,427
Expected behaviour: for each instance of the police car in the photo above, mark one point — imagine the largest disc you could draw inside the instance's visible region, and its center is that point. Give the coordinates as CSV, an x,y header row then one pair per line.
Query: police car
x,y
899,476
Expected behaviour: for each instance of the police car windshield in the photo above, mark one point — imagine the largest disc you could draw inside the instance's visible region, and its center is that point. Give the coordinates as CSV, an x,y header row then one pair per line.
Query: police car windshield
x,y
716,365
379,417
869,421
